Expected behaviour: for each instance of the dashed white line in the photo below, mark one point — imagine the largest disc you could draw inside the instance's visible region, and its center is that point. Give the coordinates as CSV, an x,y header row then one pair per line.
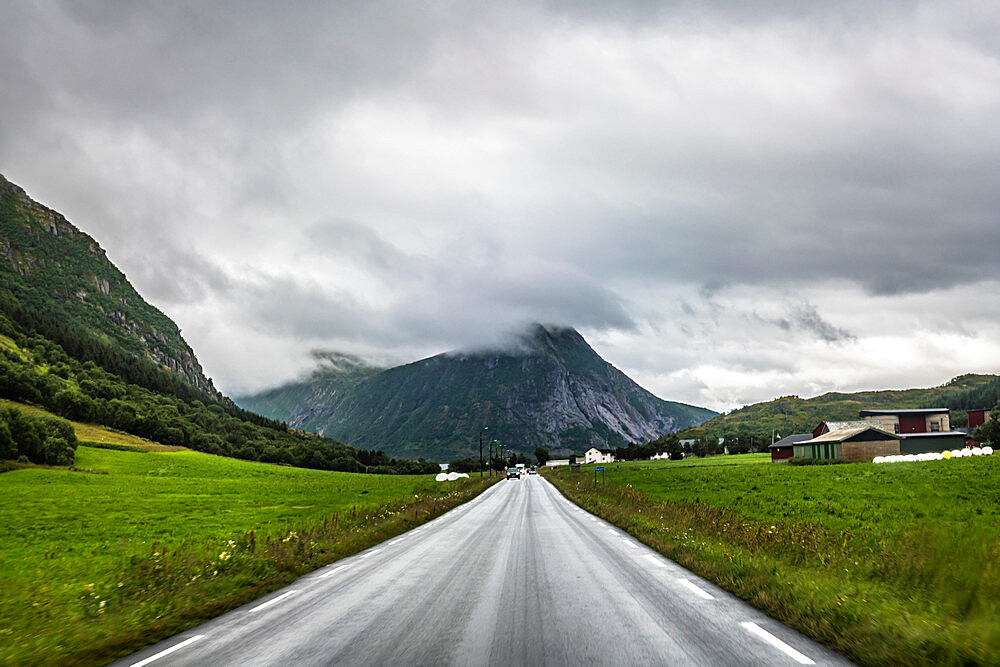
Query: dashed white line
x,y
330,573
694,588
760,632
272,601
370,553
165,652
655,561
629,544
396,541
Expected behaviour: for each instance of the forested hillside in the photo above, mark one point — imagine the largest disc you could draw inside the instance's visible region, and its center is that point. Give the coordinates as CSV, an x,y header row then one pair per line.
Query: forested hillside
x,y
78,340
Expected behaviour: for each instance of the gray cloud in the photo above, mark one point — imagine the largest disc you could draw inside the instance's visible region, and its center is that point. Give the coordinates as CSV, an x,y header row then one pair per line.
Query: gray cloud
x,y
633,169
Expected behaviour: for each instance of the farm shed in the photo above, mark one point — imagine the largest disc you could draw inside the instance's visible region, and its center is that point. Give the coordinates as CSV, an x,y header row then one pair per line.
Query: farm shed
x,y
860,443
904,421
918,443
978,417
784,449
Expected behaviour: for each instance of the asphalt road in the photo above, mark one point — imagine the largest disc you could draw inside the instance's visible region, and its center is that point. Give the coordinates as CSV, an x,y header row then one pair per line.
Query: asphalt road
x,y
518,576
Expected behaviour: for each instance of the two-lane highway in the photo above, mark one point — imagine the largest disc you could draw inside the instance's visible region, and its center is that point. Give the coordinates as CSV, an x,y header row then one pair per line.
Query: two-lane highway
x,y
518,576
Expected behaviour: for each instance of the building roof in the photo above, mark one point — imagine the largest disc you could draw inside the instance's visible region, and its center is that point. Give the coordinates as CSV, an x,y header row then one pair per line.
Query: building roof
x,y
790,440
840,426
934,434
908,411
840,435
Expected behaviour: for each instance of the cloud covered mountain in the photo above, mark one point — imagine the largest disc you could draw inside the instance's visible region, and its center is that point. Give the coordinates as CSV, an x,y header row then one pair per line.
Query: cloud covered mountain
x,y
549,388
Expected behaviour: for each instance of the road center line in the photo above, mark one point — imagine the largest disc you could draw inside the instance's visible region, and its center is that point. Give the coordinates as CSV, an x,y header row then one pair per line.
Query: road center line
x,y
760,632
655,561
694,588
330,573
165,652
629,544
272,601
370,553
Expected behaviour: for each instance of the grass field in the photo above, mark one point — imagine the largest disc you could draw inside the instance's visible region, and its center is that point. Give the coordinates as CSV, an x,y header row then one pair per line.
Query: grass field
x,y
145,543
890,564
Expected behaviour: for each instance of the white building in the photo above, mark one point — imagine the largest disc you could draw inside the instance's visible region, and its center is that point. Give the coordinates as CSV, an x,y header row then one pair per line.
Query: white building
x,y
595,455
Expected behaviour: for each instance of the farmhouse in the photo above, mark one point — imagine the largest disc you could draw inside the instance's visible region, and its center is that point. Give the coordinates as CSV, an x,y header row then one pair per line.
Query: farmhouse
x,y
784,449
595,455
857,443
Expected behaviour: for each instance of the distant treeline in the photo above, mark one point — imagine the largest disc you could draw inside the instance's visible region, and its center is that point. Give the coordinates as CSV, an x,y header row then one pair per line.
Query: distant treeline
x,y
156,404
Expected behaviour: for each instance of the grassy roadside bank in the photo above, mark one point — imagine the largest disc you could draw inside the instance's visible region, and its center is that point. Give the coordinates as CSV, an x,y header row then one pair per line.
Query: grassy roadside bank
x,y
144,544
892,564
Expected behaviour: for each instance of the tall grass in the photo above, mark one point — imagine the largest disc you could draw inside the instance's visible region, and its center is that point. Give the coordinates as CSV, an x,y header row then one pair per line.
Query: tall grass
x,y
889,565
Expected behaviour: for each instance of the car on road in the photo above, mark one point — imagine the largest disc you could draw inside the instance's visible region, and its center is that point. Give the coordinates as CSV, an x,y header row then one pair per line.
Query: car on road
x,y
532,471
513,473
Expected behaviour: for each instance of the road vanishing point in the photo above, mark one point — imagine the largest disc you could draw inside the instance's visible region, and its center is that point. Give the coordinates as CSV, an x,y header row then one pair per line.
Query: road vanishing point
x,y
517,576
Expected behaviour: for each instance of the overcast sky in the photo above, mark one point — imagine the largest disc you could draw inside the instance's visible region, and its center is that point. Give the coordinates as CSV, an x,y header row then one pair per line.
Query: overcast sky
x,y
731,203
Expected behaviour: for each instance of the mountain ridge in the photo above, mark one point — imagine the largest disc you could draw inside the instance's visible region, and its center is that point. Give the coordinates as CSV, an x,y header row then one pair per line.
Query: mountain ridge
x,y
548,389
64,272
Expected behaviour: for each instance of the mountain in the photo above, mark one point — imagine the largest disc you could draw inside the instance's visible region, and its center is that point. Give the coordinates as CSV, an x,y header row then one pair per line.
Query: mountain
x,y
77,340
60,276
550,389
791,414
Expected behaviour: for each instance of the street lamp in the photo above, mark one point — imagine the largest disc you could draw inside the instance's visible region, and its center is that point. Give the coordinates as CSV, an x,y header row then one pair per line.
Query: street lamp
x,y
485,428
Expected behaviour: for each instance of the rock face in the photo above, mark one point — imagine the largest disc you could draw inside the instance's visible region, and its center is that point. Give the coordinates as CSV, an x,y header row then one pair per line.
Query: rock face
x,y
550,389
49,266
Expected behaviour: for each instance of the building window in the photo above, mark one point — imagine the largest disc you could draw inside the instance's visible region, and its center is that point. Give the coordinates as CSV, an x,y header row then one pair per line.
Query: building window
x,y
935,426
895,428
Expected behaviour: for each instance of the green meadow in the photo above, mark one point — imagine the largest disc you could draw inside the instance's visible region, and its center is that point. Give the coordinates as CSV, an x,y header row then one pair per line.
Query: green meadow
x,y
888,564
133,546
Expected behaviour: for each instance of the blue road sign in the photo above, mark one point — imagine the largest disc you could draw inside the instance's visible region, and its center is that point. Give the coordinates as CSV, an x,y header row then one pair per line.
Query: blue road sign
x,y
601,468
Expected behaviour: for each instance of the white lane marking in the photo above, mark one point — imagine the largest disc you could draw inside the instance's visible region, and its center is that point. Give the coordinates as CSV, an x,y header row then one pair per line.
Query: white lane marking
x,y
694,588
396,541
593,518
175,647
330,573
655,561
272,601
629,544
612,531
370,553
755,629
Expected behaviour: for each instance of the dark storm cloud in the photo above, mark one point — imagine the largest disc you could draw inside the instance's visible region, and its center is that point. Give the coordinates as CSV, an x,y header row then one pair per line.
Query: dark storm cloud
x,y
805,317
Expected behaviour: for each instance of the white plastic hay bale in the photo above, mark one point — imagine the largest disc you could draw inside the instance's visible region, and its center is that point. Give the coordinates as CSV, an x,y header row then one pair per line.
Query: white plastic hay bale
x,y
452,476
442,477
955,454
977,451
910,458
878,459
464,474
987,450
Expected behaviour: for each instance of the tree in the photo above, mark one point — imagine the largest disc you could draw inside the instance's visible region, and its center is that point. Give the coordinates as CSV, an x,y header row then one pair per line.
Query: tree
x,y
542,455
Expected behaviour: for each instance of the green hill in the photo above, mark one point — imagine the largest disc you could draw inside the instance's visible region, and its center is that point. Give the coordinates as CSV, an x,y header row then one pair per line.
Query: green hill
x,y
791,414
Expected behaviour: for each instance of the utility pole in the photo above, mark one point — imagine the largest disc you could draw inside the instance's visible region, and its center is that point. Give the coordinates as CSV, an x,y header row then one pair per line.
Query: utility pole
x,y
485,428
491,457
